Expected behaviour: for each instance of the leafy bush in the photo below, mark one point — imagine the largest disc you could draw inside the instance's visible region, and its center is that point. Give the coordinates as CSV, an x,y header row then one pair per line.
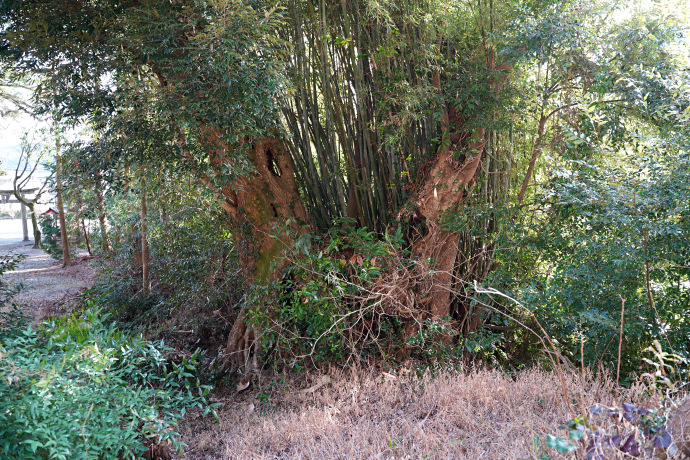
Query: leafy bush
x,y
50,229
607,233
83,389
193,263
11,317
351,294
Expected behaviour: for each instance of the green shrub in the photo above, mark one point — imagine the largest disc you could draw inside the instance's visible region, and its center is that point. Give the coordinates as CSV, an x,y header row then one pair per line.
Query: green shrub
x,y
50,229
11,316
193,264
351,294
82,389
604,231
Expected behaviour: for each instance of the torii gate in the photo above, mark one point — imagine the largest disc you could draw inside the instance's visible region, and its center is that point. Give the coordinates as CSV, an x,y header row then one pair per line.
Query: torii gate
x,y
7,196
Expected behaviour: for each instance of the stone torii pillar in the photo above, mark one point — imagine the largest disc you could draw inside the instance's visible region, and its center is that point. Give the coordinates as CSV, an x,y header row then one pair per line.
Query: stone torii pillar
x,y
7,196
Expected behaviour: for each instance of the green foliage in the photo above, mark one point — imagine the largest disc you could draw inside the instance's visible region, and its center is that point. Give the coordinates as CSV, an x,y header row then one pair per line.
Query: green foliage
x,y
621,234
560,444
8,263
82,389
318,311
353,295
154,78
50,231
11,316
607,219
194,254
197,280
595,106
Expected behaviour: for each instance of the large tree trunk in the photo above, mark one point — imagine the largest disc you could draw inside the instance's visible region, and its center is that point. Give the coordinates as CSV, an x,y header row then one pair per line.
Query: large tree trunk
x,y
443,191
268,198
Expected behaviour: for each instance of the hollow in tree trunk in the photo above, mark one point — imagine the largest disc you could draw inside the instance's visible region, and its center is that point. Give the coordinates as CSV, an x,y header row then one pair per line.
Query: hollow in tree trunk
x,y
264,200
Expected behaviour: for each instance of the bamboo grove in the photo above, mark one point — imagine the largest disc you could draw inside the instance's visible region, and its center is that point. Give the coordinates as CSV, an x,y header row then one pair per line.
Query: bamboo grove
x,y
452,123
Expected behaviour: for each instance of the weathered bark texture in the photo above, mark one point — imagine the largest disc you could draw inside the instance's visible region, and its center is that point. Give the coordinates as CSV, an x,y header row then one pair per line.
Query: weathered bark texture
x,y
267,198
449,181
443,191
241,347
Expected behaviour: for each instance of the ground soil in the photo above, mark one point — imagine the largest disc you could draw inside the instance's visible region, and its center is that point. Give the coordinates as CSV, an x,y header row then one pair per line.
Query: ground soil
x,y
49,289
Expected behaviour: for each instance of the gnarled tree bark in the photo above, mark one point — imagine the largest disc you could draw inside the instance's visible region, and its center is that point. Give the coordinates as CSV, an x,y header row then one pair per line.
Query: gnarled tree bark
x,y
267,198
443,191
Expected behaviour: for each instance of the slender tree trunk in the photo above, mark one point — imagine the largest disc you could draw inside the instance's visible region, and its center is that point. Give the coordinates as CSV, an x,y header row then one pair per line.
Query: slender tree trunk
x,y
34,226
101,214
536,150
145,255
66,256
31,204
25,227
34,223
86,237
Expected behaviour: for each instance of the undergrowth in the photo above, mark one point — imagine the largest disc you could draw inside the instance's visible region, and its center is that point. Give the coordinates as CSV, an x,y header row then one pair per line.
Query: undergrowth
x,y
80,388
353,296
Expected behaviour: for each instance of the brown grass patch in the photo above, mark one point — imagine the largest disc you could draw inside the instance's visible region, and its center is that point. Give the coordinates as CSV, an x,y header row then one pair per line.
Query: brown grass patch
x,y
479,414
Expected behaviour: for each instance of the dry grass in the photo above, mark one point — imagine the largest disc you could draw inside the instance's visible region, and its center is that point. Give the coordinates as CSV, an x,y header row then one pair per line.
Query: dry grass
x,y
479,414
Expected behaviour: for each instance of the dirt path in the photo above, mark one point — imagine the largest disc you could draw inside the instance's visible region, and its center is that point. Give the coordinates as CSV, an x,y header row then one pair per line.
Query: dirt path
x,y
47,286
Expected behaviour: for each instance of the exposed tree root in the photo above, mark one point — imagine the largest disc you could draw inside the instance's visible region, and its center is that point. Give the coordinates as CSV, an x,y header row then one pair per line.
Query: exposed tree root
x,y
241,347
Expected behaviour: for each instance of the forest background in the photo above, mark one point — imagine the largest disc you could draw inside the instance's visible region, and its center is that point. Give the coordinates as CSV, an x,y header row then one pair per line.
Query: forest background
x,y
311,182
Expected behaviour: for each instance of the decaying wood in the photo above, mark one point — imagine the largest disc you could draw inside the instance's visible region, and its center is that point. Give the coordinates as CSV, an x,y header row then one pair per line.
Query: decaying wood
x,y
241,347
156,450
